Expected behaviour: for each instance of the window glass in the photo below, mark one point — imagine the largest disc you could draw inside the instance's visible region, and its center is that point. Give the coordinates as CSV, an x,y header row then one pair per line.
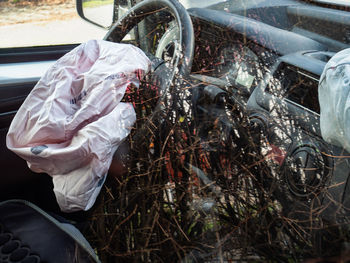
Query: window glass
x,y
26,23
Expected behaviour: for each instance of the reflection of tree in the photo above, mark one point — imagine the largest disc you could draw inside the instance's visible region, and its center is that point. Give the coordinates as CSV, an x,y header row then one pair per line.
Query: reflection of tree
x,y
203,183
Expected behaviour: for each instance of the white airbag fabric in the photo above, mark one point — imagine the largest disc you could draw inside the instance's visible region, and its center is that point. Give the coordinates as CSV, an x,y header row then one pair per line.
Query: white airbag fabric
x,y
334,99
72,122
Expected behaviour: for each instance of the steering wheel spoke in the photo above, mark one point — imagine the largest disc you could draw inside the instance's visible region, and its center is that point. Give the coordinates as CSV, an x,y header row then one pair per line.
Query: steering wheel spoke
x,y
183,47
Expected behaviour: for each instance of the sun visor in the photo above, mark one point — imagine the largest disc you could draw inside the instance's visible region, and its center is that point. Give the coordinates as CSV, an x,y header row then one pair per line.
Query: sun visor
x,y
73,120
334,99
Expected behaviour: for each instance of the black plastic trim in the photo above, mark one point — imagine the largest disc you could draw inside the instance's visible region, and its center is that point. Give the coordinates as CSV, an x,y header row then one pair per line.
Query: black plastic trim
x,y
278,40
29,54
324,14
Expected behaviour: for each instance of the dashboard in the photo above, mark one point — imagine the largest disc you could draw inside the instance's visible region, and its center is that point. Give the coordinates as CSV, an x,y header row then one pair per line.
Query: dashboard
x,y
272,74
236,64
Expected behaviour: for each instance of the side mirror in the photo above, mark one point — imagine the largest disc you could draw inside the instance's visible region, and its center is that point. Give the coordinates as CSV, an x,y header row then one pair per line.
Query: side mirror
x,y
98,12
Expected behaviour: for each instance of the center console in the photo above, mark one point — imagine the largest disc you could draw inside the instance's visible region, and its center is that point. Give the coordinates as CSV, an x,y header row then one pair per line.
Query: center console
x,y
284,109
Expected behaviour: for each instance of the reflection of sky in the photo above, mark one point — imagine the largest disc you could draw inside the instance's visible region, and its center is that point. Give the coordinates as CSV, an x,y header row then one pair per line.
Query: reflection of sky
x,y
199,3
14,72
340,2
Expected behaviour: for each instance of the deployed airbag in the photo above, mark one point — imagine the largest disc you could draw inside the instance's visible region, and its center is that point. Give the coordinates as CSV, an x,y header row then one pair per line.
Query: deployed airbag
x,y
72,122
334,98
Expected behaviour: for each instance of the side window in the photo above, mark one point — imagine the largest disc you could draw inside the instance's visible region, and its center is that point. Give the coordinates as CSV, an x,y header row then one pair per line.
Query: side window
x,y
25,23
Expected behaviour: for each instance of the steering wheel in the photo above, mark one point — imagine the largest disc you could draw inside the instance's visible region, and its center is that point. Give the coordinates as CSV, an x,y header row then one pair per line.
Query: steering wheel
x,y
142,188
183,53
182,59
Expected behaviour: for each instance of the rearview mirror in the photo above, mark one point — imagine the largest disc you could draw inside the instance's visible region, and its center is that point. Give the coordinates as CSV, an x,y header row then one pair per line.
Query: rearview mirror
x,y
98,12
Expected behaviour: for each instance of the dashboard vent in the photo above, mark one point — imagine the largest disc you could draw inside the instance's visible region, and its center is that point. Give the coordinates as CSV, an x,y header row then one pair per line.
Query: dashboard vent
x,y
295,85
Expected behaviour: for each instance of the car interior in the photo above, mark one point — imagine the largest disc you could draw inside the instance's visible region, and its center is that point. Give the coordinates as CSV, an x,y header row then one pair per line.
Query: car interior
x,y
232,121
